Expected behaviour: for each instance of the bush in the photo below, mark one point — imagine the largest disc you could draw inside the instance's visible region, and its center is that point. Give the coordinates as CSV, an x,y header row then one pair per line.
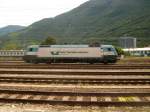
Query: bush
x,y
49,41
119,51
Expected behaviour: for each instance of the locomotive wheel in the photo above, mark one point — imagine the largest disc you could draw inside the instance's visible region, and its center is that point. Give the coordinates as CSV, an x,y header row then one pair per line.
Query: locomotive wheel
x,y
105,62
33,61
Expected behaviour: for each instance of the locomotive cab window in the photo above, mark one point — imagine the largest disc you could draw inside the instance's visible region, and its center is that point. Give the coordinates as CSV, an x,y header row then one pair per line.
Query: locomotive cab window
x,y
33,49
108,49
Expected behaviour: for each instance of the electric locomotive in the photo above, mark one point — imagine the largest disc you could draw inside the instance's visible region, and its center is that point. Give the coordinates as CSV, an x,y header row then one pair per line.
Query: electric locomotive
x,y
70,54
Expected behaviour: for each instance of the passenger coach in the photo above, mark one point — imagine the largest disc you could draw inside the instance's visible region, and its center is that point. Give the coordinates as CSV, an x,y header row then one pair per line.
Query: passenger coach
x,y
70,53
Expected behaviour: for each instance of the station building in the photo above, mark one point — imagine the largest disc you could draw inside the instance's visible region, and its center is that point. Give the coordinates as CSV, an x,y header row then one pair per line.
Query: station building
x,y
127,42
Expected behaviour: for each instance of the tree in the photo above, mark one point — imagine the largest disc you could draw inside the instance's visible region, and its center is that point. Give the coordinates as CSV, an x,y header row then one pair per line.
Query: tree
x,y
49,41
11,46
119,51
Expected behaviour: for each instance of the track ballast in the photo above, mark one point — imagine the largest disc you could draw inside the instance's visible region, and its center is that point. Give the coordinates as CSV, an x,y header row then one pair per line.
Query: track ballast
x,y
39,84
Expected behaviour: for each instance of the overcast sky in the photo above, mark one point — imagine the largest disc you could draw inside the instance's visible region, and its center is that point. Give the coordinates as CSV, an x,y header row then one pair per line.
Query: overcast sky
x,y
25,12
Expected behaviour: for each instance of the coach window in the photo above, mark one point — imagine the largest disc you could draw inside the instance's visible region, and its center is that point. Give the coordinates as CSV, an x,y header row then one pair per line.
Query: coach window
x,y
145,52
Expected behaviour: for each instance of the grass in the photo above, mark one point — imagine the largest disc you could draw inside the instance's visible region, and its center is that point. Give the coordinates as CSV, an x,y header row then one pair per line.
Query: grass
x,y
143,60
10,58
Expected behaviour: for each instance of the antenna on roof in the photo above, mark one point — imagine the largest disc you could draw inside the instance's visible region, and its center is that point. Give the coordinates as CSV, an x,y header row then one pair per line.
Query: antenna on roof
x,y
95,44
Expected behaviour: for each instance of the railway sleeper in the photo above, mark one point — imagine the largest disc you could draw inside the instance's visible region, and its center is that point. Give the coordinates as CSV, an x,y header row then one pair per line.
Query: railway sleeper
x,y
77,100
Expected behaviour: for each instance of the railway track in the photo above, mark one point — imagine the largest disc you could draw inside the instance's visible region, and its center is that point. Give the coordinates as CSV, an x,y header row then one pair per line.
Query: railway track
x,y
68,79
116,85
74,72
76,97
122,64
71,66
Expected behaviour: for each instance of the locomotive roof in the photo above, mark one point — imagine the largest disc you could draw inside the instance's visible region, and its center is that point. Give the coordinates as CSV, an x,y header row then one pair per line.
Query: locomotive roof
x,y
63,46
67,46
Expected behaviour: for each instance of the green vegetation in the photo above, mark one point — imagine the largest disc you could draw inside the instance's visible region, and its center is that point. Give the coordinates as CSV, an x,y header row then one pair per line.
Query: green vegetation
x,y
11,46
119,51
49,41
10,29
103,21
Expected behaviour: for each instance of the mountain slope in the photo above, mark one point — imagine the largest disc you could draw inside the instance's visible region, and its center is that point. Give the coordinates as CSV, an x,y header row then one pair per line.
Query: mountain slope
x,y
95,20
10,29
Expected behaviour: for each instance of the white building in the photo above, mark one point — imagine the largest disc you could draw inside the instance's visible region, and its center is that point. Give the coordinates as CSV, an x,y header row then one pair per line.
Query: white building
x,y
138,51
127,42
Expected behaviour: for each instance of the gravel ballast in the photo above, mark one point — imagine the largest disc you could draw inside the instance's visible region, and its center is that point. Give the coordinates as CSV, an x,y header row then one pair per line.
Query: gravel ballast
x,y
7,107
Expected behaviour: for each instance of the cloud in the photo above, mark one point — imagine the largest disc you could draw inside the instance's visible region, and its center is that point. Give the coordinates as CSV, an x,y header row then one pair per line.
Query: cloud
x,y
25,12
